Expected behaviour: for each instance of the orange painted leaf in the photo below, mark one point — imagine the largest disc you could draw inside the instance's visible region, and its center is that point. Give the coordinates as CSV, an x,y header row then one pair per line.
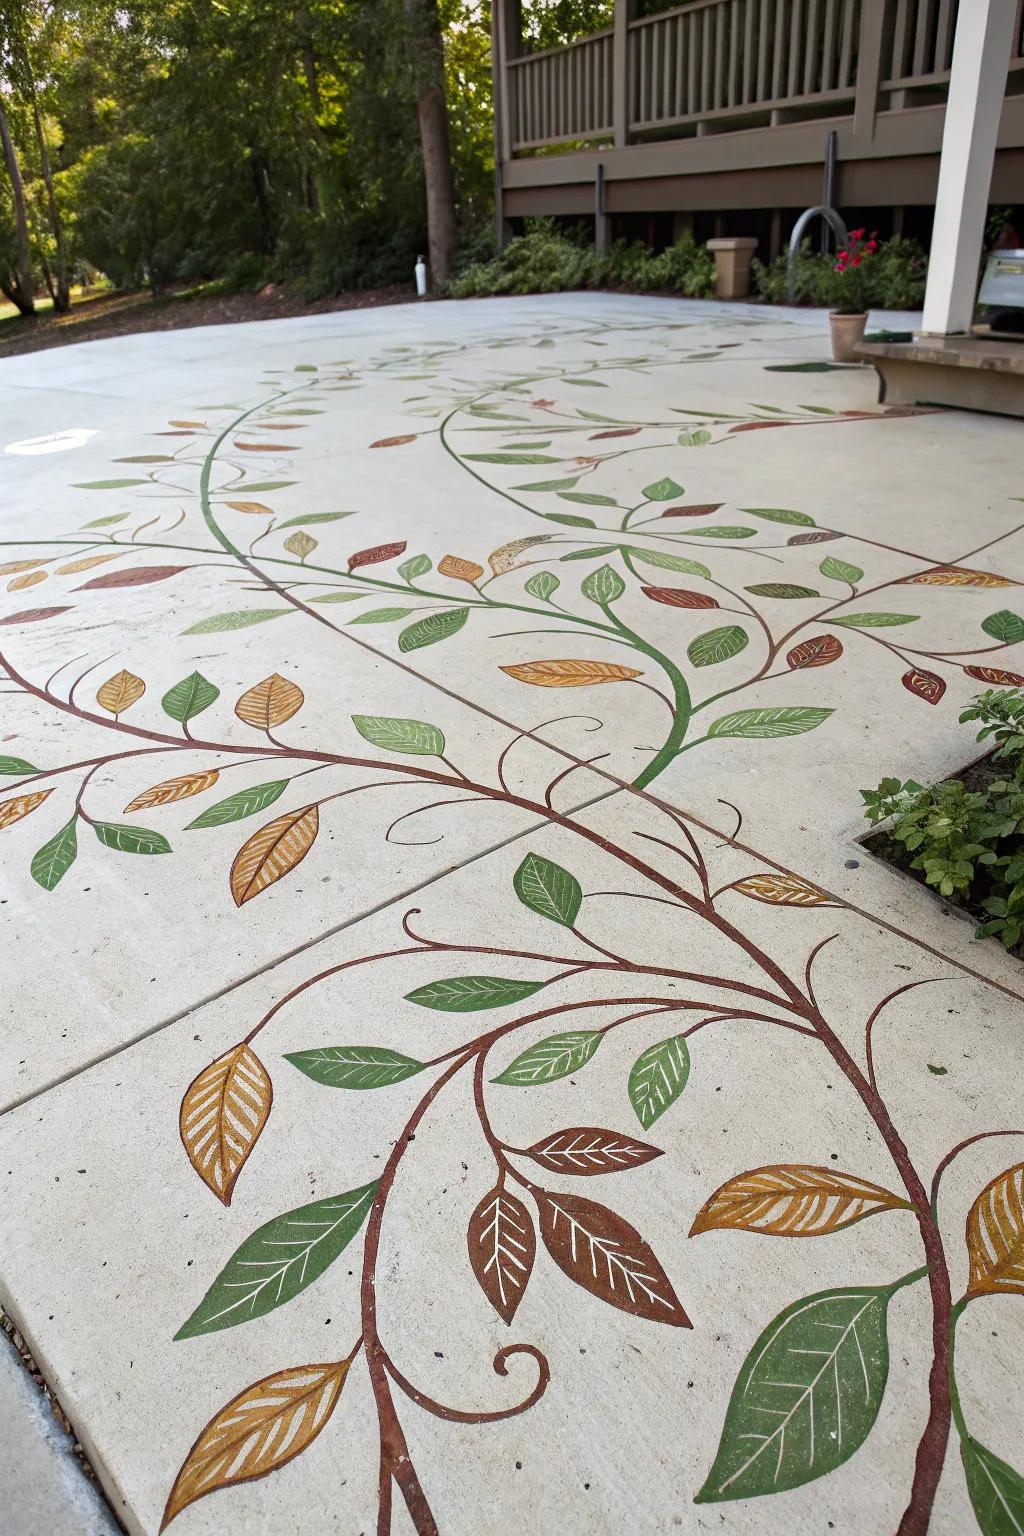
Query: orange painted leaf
x,y
783,891
222,1115
459,569
265,447
273,852
257,508
270,703
602,1253
956,576
570,674
996,676
502,1248
13,566
394,442
120,692
261,1429
926,685
793,1200
679,597
30,579
21,805
181,788
137,576
995,1236
375,555
819,651
703,509
86,563
201,425
505,558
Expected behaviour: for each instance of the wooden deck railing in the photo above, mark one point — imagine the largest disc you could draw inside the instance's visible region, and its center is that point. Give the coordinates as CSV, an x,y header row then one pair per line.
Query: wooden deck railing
x,y
564,93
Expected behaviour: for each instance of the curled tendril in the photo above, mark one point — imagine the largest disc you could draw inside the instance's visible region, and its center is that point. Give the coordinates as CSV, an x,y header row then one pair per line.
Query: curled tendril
x,y
418,811
500,1364
739,822
596,725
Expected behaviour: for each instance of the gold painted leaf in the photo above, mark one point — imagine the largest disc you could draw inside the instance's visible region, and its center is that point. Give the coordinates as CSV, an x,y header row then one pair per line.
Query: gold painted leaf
x,y
273,852
28,580
956,576
87,563
120,692
181,788
261,1429
301,544
793,1200
199,424
222,1115
783,891
459,569
505,558
270,703
570,674
257,507
13,566
21,805
995,1236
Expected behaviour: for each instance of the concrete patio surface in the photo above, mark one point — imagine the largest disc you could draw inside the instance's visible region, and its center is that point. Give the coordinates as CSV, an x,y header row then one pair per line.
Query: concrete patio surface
x,y
519,658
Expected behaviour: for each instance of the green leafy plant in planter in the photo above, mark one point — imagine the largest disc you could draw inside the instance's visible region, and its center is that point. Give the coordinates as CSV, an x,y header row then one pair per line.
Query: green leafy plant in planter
x,y
850,289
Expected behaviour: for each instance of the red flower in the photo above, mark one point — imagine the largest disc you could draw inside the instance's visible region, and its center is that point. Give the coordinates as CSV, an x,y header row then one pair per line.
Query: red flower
x,y
856,261
856,234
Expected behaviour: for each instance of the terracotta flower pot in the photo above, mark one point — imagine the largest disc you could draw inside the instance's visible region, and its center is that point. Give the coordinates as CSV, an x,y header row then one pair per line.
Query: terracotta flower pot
x,y
847,335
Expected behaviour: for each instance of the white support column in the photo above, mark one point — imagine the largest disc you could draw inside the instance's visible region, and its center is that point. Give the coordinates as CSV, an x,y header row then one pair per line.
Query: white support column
x,y
981,55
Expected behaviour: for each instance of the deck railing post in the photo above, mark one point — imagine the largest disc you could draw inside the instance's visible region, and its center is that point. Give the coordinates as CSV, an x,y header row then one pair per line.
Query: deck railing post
x,y
506,44
620,74
876,23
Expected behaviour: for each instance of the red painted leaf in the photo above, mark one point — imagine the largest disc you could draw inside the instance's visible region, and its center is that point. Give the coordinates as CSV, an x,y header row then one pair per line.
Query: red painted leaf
x,y
140,576
395,442
375,555
265,447
819,651
679,597
602,1253
502,1248
818,536
589,1149
758,426
704,510
997,676
33,615
597,437
926,685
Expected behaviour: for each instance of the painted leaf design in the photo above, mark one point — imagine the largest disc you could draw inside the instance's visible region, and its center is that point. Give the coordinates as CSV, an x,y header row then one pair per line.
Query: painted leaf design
x,y
840,570
806,1397
996,1490
569,519
584,1150
782,589
469,994
588,498
256,508
505,558
956,576
120,692
223,621
996,676
761,724
273,852
245,802
20,806
16,766
418,565
261,1429
382,615
279,1261
663,490
875,620
12,567
598,437
724,532
502,1248
124,839
717,645
376,554
783,891
137,576
30,579
395,735
658,1077
926,685
308,518
793,1200
171,790
189,697
819,536
818,651
511,458
778,514
602,1253
678,597
1005,626
570,673
670,562
603,586
300,544
701,509
551,1058
86,563
355,1066
995,1236
33,615
270,703
222,1116
548,889
263,447
428,631
55,858
543,585
459,569
394,442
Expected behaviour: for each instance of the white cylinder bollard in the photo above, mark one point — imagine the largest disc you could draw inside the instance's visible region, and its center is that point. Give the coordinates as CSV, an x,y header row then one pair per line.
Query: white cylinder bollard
x,y
421,277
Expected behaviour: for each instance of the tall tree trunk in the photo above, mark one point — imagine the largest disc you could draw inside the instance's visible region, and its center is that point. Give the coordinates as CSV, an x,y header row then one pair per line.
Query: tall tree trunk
x,y
23,276
62,293
435,138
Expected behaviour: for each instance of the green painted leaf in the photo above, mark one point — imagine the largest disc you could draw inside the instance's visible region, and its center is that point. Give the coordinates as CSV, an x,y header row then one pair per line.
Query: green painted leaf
x,y
270,485
417,565
603,585
108,522
55,858
106,485
781,515
355,1066
428,631
669,562
758,724
337,597
840,570
549,485
597,552
696,439
806,1397
717,645
511,458
875,620
588,498
658,1077
996,1490
663,490
469,994
781,589
236,807
722,533
382,615
587,383
548,889
279,1261
1005,626
16,765
189,697
221,621
306,518
568,520
803,368
550,1059
542,585
124,839
396,735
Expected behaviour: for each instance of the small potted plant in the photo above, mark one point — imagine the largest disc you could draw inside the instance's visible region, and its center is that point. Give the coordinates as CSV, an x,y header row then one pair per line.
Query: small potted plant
x,y
851,277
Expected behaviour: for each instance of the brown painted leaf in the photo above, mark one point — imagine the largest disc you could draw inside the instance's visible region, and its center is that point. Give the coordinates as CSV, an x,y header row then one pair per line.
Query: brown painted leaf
x,y
270,703
34,615
599,437
996,676
169,790
265,447
502,1248
793,1200
815,536
21,805
375,555
783,891
956,576
679,597
171,434
261,1429
30,579
120,692
926,685
570,674
138,576
257,508
607,1257
86,564
273,852
504,558
819,651
13,566
394,442
222,1115
703,509
459,569
995,1236
758,426
589,1149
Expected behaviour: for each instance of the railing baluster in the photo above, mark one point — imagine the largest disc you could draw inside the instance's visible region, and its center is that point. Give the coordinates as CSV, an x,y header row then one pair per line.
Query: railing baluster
x,y
705,62
795,39
778,88
749,62
944,36
828,47
810,77
845,74
733,20
923,54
